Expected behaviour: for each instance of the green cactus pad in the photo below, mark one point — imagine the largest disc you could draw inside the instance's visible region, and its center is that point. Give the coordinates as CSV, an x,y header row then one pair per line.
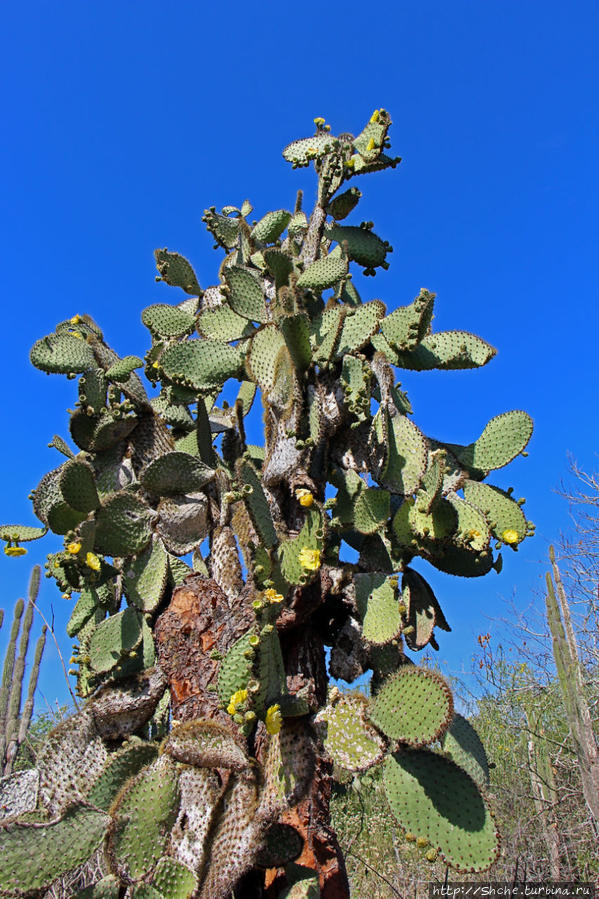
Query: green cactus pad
x,y
206,744
363,246
351,742
423,612
376,600
341,205
202,365
62,354
222,323
50,507
325,272
110,430
447,350
107,888
269,670
78,487
31,858
406,326
459,560
174,880
501,511
119,371
145,578
22,533
257,504
371,510
126,762
433,798
414,706
143,815
235,670
296,331
303,883
114,637
271,226
264,356
282,843
123,525
472,527
245,294
183,522
176,271
502,440
84,609
279,265
301,152
464,746
310,537
92,389
175,473
405,452
164,321
358,327
412,521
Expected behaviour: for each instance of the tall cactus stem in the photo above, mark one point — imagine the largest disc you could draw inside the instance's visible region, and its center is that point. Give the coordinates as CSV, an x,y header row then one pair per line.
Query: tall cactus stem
x,y
7,677
570,678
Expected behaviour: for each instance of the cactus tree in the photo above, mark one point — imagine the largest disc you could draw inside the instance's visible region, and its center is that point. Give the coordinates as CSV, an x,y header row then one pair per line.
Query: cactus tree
x,y
210,572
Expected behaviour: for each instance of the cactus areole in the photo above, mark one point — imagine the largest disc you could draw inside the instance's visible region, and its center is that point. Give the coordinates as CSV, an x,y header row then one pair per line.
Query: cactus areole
x,y
209,574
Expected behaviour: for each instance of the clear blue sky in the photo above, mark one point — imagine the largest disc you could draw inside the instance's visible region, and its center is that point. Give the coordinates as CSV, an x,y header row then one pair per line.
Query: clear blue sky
x,y
124,120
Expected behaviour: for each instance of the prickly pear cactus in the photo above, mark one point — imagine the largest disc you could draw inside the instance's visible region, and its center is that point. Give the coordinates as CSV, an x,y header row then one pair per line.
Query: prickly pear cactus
x,y
201,562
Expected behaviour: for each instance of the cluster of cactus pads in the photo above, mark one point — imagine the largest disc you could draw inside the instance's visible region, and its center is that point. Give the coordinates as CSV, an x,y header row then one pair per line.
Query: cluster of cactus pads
x,y
158,490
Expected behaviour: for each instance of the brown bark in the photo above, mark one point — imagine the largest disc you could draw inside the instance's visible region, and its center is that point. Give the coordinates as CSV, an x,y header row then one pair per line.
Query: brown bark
x,y
201,619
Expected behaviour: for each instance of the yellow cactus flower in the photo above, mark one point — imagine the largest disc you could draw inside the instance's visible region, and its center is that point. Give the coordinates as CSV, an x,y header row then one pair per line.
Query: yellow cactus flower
x,y
75,319
319,121
510,536
272,596
155,365
274,719
310,558
374,117
236,700
14,550
92,561
304,497
370,145
73,548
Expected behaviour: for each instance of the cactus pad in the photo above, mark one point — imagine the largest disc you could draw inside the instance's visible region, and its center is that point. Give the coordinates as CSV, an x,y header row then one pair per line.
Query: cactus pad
x,y
325,272
166,322
463,745
114,637
123,525
62,354
126,762
205,744
271,226
433,798
174,473
222,323
245,295
414,706
501,511
301,152
78,487
173,880
363,246
504,437
143,815
406,326
145,578
235,669
378,607
282,843
447,350
351,742
176,271
31,858
201,364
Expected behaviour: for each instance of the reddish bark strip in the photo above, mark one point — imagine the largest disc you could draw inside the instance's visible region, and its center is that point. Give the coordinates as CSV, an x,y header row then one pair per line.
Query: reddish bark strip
x,y
198,620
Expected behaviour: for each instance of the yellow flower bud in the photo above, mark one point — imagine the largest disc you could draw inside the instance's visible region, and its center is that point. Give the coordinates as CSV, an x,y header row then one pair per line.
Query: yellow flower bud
x,y
274,719
319,121
92,561
374,117
15,550
310,558
73,548
304,496
510,536
370,145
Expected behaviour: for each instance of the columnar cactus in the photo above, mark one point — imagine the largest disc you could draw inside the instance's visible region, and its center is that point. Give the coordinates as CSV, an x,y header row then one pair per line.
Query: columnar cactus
x,y
15,717
216,567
